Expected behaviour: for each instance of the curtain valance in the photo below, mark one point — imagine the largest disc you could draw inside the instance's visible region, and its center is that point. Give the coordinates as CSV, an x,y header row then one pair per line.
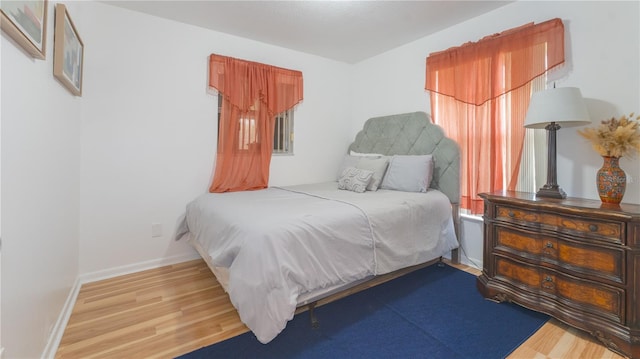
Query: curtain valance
x,y
243,83
459,72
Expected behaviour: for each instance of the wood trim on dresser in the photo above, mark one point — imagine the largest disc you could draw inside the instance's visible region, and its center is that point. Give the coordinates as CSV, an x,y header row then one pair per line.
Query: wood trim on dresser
x,y
575,259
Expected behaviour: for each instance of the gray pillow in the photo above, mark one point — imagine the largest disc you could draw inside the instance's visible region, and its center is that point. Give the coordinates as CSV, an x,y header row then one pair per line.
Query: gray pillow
x,y
354,179
377,164
409,173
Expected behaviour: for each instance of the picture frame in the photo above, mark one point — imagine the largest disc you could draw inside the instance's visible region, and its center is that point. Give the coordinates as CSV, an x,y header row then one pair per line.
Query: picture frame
x,y
68,52
26,23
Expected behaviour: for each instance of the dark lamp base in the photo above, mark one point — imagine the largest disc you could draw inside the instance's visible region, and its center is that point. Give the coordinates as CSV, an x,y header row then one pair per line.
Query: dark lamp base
x,y
552,191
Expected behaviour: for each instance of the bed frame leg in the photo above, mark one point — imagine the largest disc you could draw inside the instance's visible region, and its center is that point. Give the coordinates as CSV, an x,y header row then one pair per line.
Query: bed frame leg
x,y
312,316
455,253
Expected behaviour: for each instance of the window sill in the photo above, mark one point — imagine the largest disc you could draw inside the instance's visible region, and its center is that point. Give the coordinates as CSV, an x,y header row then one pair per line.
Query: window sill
x,y
472,217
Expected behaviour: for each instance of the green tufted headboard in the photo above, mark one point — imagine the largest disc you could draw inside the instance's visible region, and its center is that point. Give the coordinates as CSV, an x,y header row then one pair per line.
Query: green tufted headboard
x,y
414,134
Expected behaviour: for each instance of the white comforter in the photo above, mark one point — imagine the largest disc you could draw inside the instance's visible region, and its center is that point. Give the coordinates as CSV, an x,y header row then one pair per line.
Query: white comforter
x,y
279,243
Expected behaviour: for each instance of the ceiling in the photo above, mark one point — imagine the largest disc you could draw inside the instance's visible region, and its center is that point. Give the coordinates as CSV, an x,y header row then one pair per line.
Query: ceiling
x,y
346,31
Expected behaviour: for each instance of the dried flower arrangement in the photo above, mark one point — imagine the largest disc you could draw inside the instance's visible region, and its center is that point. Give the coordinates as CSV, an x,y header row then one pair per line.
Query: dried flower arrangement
x,y
615,137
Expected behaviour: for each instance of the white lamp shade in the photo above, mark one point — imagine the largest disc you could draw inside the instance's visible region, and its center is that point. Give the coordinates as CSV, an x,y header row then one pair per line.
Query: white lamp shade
x,y
563,105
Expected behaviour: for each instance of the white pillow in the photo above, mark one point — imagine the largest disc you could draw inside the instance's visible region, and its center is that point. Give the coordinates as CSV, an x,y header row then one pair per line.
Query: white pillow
x,y
354,153
347,161
409,173
354,179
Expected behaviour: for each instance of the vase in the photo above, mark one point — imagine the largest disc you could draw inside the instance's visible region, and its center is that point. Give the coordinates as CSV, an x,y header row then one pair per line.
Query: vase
x,y
611,180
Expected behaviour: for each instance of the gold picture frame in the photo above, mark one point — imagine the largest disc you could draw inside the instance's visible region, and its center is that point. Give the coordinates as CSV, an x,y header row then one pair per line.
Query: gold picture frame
x,y
68,52
26,23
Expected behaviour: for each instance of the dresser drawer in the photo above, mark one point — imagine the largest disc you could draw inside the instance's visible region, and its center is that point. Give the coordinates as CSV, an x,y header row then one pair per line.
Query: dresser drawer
x,y
587,296
574,256
577,226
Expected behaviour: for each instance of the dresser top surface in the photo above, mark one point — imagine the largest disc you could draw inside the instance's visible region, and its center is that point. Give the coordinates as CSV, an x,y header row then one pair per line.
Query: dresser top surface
x,y
569,202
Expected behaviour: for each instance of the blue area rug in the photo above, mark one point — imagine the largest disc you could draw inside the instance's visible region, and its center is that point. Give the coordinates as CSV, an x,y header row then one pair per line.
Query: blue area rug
x,y
435,312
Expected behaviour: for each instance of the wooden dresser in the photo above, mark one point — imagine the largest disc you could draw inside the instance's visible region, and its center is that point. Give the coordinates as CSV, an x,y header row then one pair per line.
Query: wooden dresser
x,y
577,260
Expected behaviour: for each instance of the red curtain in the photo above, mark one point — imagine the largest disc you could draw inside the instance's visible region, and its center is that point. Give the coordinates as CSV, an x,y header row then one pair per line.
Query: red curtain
x,y
480,92
252,94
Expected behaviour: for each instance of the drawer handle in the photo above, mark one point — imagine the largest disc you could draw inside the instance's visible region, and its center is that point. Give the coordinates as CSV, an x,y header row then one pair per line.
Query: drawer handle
x,y
593,227
511,214
547,283
548,249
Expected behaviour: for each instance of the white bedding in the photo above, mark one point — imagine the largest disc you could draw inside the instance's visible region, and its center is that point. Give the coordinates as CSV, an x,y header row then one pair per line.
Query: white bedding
x,y
282,243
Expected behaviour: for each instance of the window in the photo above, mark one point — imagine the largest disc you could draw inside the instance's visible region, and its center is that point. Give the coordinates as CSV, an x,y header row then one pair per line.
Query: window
x,y
250,95
480,93
282,134
533,164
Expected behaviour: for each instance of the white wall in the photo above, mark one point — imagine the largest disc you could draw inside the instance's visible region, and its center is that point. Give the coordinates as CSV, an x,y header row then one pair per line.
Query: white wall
x,y
149,130
603,43
40,195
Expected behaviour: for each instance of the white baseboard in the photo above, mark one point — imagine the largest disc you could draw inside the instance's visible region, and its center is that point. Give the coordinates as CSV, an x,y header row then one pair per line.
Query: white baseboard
x,y
472,262
136,267
58,329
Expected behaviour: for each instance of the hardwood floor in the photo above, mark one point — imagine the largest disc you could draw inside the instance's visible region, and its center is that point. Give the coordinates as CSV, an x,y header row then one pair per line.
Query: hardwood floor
x,y
169,311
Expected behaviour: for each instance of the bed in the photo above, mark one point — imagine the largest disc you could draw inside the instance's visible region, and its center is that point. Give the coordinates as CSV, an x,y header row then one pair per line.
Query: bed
x,y
393,206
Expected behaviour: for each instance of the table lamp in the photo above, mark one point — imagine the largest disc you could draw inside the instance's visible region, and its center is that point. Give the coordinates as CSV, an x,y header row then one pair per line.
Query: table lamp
x,y
552,109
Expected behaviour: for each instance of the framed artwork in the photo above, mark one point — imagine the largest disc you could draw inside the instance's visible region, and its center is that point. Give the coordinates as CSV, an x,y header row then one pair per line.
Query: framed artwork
x,y
68,52
26,23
